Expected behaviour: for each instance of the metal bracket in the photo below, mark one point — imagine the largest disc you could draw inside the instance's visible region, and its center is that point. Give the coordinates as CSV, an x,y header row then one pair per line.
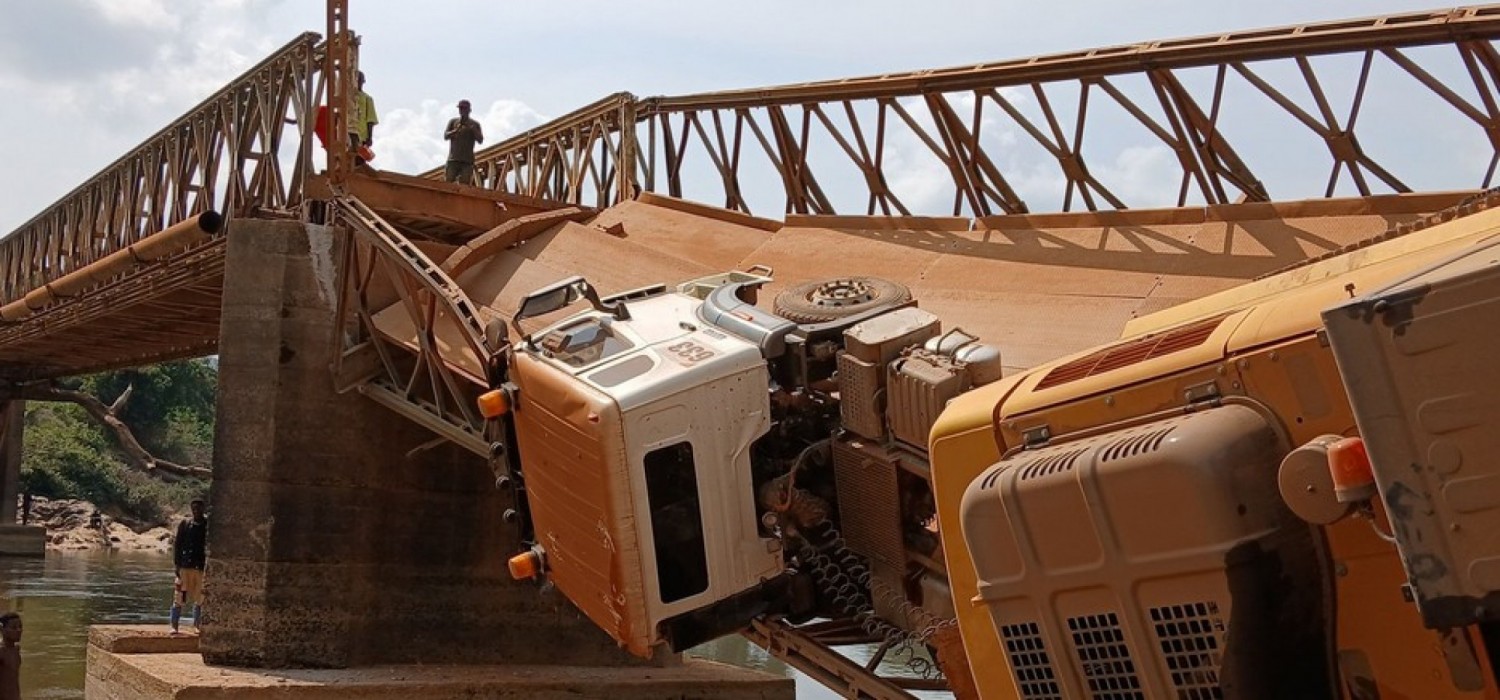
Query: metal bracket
x,y
1036,437
1207,392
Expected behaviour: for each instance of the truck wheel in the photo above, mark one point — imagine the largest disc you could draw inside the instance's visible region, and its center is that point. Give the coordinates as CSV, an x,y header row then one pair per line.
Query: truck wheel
x,y
833,299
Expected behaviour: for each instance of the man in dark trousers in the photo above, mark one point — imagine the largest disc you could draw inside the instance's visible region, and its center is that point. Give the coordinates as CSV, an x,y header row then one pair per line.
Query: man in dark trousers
x,y
190,553
462,133
10,656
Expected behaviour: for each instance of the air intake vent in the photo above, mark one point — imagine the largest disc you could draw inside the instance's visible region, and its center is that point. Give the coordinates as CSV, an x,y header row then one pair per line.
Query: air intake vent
x,y
1192,643
992,478
1104,657
1132,351
1050,464
1028,660
1132,445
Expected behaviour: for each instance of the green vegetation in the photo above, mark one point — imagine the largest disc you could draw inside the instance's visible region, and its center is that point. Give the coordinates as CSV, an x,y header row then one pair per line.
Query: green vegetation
x,y
170,410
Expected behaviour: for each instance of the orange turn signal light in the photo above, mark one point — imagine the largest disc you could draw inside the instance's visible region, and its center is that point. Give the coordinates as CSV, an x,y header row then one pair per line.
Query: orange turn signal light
x,y
494,403
1353,475
526,565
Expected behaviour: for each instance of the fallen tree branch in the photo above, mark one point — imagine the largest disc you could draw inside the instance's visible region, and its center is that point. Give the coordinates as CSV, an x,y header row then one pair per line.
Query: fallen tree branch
x,y
139,456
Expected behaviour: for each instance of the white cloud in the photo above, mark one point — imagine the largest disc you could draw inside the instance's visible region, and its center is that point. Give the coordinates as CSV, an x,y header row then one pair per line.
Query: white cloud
x,y
1143,176
151,14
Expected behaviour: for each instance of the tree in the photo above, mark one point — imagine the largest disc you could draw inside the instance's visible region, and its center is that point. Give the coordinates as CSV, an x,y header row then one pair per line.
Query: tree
x,y
112,427
111,417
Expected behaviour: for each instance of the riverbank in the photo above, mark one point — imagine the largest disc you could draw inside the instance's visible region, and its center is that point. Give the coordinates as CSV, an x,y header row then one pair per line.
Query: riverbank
x,y
72,526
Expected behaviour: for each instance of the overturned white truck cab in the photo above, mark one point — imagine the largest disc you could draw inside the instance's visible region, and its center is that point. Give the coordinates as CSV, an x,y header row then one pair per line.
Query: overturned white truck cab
x,y
675,450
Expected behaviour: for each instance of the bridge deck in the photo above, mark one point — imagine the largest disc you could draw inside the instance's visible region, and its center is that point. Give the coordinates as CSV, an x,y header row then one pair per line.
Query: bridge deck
x,y
1038,286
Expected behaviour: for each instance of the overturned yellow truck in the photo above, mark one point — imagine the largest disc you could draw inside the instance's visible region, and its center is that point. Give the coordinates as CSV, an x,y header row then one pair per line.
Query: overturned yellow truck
x,y
1283,490
1289,489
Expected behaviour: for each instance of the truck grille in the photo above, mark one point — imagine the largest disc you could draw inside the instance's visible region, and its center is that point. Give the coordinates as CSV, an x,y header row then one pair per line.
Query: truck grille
x,y
1029,661
1191,638
1105,658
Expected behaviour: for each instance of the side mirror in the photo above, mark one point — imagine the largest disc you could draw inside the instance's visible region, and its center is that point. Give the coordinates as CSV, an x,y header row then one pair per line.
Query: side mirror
x,y
553,297
559,295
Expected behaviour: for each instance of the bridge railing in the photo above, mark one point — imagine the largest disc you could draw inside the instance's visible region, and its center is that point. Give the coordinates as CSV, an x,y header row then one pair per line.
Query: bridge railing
x,y
1009,137
243,149
574,158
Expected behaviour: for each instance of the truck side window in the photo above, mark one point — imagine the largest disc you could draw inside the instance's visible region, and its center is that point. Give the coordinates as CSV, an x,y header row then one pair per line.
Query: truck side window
x,y
676,522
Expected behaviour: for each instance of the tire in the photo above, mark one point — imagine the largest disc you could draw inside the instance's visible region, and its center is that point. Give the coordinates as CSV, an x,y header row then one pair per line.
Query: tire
x,y
826,300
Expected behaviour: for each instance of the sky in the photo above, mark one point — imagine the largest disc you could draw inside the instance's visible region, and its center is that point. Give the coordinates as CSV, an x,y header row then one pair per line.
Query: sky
x,y
84,81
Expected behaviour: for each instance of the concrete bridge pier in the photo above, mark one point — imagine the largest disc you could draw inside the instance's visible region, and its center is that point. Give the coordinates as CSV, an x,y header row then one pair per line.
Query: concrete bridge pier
x,y
335,544
15,539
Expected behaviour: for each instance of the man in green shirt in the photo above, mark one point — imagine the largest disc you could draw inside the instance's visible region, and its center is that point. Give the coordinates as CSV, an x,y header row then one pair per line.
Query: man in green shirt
x,y
362,120
462,133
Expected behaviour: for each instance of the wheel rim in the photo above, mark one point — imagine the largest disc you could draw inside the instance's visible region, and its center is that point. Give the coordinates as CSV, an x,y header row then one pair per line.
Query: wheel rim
x,y
841,293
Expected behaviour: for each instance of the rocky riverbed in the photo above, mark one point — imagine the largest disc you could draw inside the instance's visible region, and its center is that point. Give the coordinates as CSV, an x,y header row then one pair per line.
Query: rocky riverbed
x,y
71,527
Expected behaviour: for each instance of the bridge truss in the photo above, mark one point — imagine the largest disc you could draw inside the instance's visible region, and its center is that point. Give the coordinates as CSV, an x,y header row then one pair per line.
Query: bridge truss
x,y
1204,104
1216,112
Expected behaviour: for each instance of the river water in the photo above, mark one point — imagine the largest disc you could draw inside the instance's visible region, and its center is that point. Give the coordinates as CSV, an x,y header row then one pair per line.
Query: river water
x,y
61,595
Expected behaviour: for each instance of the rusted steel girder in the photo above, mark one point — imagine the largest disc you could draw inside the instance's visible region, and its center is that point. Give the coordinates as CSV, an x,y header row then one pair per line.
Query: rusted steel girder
x,y
809,649
339,69
434,375
150,313
814,136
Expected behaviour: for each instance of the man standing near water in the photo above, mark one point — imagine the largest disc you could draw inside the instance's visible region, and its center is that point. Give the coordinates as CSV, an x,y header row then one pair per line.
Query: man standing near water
x,y
10,656
190,553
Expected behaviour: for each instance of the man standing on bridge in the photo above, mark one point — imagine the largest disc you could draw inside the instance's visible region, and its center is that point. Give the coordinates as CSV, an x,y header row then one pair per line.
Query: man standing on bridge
x,y
362,121
190,553
462,133
10,656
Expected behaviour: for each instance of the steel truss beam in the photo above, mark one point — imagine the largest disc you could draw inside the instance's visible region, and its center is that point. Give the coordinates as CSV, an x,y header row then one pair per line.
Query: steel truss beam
x,y
242,150
431,379
813,136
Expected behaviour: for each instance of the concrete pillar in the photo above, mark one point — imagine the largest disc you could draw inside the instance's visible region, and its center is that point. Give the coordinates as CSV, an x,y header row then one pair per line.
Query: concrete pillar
x,y
15,540
12,427
327,545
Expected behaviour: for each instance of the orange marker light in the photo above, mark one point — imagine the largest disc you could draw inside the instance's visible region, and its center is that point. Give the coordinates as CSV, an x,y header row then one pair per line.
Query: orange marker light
x,y
1353,476
525,565
494,403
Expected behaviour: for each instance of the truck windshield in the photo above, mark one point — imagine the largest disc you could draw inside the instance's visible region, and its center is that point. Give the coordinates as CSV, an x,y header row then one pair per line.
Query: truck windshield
x,y
584,342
